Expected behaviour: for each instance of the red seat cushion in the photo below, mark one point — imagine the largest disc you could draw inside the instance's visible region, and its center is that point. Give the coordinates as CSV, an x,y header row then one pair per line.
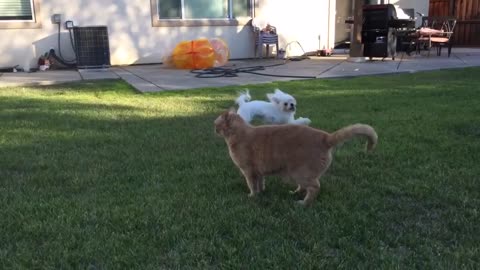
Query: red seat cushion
x,y
429,31
439,39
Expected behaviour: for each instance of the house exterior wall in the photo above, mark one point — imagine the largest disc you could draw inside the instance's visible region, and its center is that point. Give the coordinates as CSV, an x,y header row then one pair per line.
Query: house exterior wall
x,y
344,9
308,22
132,38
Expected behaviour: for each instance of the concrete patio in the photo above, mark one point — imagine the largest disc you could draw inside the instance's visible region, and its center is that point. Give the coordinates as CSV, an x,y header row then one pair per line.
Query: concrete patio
x,y
153,78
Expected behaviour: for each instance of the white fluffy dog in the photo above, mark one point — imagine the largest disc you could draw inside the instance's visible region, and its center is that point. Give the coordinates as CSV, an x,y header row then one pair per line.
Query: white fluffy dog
x,y
280,109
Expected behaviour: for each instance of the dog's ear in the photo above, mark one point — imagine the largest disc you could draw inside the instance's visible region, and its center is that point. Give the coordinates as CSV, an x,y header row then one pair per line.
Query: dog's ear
x,y
273,98
278,91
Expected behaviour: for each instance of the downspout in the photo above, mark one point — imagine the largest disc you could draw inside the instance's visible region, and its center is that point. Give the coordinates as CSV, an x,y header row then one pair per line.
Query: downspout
x,y
328,30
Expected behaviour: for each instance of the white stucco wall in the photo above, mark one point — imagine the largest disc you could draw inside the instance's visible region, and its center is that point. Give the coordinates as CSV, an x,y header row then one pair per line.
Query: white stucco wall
x,y
131,36
304,21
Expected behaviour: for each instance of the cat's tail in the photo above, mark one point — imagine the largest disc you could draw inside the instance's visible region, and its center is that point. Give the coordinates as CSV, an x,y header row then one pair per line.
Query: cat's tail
x,y
243,98
349,132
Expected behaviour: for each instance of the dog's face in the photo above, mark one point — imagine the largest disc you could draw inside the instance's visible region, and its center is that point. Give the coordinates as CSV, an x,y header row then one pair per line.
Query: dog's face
x,y
224,122
285,102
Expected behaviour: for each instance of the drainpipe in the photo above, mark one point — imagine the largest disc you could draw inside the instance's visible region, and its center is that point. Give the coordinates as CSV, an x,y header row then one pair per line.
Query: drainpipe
x,y
328,30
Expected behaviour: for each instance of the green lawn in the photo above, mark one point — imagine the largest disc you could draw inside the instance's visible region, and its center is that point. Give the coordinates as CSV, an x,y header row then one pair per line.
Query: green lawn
x,y
94,175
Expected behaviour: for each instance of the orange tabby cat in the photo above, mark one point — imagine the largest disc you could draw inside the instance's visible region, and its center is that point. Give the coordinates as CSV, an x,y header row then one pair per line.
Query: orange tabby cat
x,y
297,152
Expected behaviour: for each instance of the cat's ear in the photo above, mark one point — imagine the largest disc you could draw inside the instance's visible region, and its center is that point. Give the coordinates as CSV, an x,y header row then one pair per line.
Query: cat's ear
x,y
228,115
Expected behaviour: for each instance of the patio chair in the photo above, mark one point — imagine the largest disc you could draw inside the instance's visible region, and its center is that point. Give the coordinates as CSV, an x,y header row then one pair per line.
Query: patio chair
x,y
436,32
265,34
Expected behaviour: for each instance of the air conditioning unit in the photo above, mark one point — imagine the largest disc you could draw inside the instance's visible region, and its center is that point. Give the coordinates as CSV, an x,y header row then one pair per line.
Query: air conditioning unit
x,y
91,47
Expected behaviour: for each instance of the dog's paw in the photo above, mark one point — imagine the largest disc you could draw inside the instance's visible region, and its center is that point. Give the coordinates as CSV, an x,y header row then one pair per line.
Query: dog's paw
x,y
304,121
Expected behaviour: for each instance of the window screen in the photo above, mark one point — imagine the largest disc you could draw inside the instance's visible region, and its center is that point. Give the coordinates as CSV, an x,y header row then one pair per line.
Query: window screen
x,y
241,8
206,9
16,10
169,9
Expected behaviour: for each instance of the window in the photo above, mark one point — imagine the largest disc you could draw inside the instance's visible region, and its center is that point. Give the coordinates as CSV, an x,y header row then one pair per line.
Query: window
x,y
19,14
201,12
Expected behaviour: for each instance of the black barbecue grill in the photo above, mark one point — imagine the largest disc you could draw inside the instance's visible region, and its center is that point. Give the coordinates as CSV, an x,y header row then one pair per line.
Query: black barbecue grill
x,y
379,30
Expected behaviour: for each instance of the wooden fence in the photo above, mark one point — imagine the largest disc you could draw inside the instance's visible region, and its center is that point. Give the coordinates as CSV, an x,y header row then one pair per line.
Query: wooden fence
x,y
467,12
